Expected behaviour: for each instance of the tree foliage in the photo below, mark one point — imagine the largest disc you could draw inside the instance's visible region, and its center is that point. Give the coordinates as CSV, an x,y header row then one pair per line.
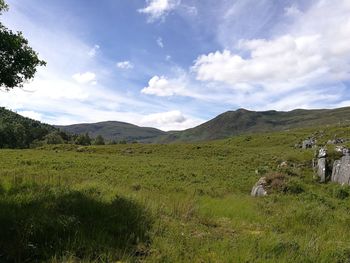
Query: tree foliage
x,y
54,138
83,139
99,140
17,59
3,6
17,131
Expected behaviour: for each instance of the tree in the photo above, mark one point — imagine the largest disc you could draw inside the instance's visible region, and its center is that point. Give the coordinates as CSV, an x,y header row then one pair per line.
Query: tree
x,y
54,138
17,59
83,139
99,140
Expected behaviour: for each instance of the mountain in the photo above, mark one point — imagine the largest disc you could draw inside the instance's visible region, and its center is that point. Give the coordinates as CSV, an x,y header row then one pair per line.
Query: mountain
x,y
114,130
17,131
245,121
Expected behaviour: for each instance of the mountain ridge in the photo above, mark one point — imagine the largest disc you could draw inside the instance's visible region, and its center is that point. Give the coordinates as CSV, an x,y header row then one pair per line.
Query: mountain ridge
x,y
114,130
231,123
227,124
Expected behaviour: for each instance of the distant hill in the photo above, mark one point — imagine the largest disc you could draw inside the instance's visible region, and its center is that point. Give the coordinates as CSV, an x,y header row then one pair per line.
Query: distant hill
x,y
114,130
17,131
244,121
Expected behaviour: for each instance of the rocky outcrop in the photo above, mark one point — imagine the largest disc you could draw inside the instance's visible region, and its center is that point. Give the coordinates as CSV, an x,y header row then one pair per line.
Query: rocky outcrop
x,y
321,166
309,143
259,188
336,141
341,169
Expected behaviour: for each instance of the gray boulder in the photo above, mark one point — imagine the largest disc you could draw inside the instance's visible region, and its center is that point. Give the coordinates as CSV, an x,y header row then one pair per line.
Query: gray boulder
x,y
309,143
322,165
341,170
259,188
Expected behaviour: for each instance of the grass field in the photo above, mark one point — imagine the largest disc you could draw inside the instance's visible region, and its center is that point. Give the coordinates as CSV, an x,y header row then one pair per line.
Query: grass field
x,y
172,203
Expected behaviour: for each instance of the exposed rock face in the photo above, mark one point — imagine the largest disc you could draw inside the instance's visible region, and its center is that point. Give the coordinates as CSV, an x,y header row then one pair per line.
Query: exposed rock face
x,y
322,165
259,188
341,170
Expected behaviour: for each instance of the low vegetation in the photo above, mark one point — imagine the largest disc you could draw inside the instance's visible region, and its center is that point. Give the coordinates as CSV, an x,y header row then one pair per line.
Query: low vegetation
x,y
172,203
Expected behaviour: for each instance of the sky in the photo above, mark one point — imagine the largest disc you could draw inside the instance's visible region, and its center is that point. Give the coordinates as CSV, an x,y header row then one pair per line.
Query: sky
x,y
174,64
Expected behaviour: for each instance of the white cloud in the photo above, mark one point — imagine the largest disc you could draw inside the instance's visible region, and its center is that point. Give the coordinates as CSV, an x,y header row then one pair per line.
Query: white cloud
x,y
292,11
158,9
92,52
171,120
316,50
160,42
161,86
165,117
31,114
125,65
85,78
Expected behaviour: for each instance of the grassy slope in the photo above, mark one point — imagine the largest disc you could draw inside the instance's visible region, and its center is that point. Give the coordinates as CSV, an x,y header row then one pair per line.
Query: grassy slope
x,y
170,203
113,130
243,121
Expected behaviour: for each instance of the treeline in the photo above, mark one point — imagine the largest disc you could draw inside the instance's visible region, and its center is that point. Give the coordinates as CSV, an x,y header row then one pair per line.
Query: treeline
x,y
61,137
17,131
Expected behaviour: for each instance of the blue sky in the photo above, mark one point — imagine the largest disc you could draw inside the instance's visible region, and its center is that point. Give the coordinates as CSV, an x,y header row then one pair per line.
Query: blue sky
x,y
173,64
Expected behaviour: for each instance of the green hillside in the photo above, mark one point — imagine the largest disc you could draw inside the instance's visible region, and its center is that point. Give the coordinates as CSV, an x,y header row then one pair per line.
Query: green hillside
x,y
244,121
173,203
114,130
17,131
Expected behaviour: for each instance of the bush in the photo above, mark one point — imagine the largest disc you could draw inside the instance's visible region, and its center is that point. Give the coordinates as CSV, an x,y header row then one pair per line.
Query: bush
x,y
99,140
83,139
54,138
276,181
294,187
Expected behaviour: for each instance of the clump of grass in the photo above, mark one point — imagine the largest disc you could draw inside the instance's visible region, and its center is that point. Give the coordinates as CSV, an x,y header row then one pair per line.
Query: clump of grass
x,y
341,192
294,186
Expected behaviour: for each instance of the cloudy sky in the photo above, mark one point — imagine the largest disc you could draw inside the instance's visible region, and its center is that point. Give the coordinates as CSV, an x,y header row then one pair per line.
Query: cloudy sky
x,y
173,64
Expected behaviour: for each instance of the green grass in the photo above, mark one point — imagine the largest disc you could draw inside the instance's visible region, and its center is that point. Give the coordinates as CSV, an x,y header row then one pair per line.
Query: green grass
x,y
171,203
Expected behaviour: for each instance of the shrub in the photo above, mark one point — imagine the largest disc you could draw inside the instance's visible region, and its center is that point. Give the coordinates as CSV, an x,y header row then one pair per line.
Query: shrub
x,y
54,138
294,187
83,139
99,140
276,181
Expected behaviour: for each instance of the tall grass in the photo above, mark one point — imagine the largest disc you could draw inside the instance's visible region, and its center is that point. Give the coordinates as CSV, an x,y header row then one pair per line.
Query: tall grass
x,y
172,203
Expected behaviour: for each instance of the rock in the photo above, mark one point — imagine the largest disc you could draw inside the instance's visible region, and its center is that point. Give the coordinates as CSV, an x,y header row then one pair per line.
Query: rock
x,y
284,164
339,149
322,165
309,143
259,188
341,170
346,151
336,141
330,142
339,141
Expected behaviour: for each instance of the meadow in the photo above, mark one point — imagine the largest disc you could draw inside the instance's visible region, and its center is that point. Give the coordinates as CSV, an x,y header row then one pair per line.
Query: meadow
x,y
184,202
